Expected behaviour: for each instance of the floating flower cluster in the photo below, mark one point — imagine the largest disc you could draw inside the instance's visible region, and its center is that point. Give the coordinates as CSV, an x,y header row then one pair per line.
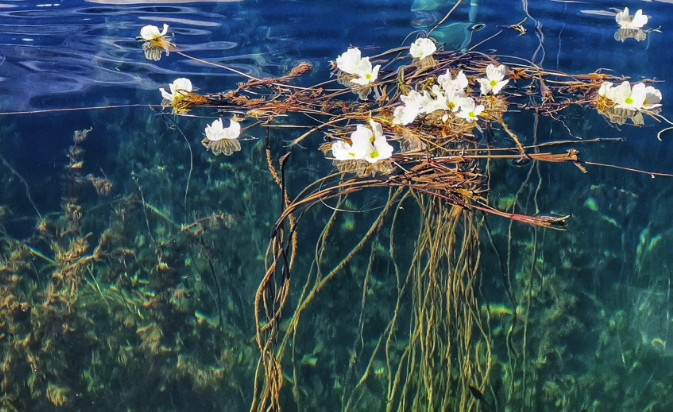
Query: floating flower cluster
x,y
155,42
365,144
444,101
626,97
450,95
623,102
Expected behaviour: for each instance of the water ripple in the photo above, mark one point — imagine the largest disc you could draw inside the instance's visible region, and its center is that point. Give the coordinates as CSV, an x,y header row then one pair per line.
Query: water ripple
x,y
69,49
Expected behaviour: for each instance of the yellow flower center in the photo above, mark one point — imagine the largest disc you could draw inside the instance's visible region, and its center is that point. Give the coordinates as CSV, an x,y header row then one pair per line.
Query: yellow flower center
x,y
494,83
375,154
629,101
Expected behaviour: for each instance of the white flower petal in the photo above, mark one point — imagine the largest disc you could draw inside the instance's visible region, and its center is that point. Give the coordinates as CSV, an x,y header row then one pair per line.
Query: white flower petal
x,y
623,18
450,84
377,129
149,32
460,82
216,131
637,97
341,150
498,86
652,98
496,73
181,85
621,93
467,105
485,86
453,99
165,94
382,150
422,48
362,139
625,21
403,115
375,72
469,110
349,60
639,20
605,89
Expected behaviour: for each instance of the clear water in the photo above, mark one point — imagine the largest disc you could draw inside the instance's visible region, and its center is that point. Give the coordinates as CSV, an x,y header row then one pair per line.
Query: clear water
x,y
598,320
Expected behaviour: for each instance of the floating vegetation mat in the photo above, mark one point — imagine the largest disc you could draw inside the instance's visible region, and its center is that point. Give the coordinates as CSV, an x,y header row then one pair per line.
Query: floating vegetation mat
x,y
373,291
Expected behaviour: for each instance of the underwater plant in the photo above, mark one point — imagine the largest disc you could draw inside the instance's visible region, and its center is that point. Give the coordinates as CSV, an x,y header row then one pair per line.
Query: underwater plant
x,y
440,354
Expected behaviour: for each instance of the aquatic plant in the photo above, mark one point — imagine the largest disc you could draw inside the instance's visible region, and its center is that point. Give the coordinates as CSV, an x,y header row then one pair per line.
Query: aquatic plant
x,y
441,172
433,117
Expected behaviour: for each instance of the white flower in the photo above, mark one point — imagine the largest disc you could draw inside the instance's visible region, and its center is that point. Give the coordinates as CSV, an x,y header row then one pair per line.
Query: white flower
x,y
495,79
430,105
652,98
222,141
216,131
352,62
349,61
342,151
367,74
414,103
448,84
469,110
607,90
625,21
626,97
359,148
454,88
179,88
366,144
422,48
453,99
404,114
150,32
382,149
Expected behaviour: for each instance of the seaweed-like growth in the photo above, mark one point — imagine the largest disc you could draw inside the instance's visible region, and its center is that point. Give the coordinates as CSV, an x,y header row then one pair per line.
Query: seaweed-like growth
x,y
89,303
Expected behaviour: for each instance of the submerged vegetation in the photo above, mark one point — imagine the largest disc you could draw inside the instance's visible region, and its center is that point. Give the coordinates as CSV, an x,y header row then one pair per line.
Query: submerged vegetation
x,y
384,239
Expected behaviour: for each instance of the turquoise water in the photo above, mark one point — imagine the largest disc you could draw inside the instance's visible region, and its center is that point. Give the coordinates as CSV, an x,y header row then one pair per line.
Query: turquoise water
x,y
131,260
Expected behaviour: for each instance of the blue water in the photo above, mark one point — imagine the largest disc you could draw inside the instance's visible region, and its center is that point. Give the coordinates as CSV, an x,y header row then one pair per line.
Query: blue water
x,y
63,63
